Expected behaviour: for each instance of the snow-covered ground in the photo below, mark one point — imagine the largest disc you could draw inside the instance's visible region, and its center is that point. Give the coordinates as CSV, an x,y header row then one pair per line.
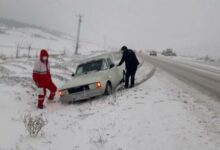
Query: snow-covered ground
x,y
23,37
159,113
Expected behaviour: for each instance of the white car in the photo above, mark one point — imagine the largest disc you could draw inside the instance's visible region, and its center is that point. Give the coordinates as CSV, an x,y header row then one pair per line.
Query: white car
x,y
94,77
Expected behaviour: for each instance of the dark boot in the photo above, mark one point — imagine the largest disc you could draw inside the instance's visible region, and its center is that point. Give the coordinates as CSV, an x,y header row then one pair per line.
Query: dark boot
x,y
41,107
131,86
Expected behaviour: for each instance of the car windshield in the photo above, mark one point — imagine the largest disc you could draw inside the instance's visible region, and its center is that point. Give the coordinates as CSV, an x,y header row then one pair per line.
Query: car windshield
x,y
96,65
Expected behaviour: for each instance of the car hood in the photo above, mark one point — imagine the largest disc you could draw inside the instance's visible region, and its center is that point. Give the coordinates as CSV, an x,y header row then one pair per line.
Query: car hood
x,y
83,80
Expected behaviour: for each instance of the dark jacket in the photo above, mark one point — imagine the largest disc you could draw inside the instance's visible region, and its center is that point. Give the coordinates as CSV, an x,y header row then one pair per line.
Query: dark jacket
x,y
130,59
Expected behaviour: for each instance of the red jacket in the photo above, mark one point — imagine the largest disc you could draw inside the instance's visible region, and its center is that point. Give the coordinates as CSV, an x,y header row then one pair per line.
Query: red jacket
x,y
41,72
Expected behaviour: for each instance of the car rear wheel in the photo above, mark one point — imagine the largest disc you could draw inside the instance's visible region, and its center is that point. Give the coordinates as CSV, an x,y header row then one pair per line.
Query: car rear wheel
x,y
108,89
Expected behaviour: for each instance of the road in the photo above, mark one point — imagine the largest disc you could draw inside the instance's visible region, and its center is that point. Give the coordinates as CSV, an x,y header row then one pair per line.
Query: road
x,y
199,78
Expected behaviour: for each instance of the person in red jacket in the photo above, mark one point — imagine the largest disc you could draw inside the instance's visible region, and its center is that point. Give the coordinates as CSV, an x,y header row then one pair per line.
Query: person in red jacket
x,y
42,78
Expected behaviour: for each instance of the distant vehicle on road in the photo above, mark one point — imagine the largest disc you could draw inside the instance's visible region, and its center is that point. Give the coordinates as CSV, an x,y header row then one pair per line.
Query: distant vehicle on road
x,y
153,53
96,76
168,52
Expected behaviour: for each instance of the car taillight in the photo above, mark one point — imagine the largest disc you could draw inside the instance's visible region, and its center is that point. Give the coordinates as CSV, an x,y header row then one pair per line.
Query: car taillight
x,y
98,85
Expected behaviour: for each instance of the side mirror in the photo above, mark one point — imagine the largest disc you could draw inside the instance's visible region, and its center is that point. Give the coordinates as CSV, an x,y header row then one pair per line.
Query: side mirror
x,y
112,65
73,74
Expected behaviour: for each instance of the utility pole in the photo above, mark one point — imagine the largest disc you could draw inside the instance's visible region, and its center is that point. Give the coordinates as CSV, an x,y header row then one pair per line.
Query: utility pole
x,y
29,50
17,51
78,34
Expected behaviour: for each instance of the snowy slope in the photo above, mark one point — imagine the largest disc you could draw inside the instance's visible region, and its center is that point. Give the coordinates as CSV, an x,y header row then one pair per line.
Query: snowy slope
x,y
157,114
38,38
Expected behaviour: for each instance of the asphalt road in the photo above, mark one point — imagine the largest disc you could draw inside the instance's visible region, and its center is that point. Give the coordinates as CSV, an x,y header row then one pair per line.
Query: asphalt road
x,y
201,79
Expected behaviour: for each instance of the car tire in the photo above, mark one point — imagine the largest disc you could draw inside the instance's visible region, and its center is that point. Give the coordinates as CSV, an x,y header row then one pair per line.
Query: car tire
x,y
108,89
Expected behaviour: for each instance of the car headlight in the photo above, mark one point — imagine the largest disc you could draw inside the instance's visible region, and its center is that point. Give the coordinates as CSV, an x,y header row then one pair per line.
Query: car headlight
x,y
98,84
95,85
63,92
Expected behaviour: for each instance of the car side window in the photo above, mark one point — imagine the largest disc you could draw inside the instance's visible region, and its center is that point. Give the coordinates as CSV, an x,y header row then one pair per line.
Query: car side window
x,y
79,70
104,65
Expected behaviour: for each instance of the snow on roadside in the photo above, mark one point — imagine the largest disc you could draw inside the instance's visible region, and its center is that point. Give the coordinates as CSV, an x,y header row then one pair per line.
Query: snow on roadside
x,y
156,114
18,94
210,66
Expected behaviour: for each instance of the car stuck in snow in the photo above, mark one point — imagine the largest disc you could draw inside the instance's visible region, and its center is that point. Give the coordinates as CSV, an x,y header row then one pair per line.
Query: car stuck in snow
x,y
94,77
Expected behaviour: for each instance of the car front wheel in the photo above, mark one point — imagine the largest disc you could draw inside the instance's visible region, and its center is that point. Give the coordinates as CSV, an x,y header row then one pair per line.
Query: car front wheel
x,y
108,89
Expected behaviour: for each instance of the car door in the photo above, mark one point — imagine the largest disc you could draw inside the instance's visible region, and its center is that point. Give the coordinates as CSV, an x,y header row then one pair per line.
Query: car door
x,y
115,73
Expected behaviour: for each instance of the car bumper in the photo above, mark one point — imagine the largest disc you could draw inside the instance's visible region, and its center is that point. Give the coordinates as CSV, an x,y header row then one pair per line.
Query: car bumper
x,y
81,95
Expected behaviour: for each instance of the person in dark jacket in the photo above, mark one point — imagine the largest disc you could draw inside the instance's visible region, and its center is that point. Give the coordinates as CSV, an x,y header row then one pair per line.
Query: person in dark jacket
x,y
131,63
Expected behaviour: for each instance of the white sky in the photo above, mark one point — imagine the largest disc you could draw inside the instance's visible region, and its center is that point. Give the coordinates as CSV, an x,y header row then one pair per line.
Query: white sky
x,y
137,23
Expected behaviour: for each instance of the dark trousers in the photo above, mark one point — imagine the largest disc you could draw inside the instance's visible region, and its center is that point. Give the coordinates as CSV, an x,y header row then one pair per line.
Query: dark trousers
x,y
130,73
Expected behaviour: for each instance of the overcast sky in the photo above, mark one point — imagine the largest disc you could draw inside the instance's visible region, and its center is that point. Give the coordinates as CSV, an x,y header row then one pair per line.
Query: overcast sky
x,y
136,23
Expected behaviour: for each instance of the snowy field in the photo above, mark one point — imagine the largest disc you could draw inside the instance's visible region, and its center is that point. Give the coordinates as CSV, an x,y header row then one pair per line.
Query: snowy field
x,y
160,113
12,39
157,114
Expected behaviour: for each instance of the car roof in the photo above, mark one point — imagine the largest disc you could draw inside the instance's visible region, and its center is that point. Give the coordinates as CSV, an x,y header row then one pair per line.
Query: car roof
x,y
99,57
